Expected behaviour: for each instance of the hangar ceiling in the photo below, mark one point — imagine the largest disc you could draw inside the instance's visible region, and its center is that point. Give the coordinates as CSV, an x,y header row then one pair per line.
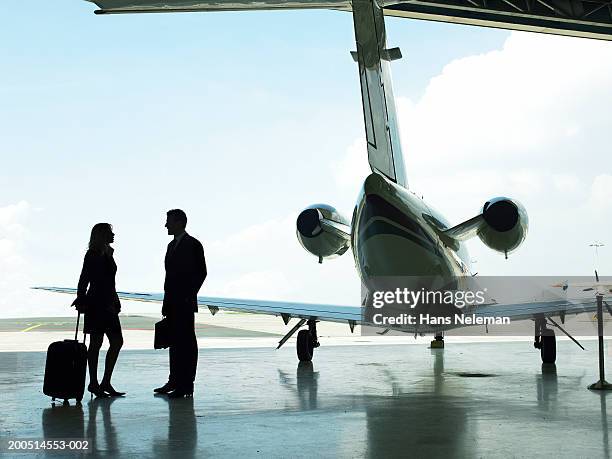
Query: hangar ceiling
x,y
578,18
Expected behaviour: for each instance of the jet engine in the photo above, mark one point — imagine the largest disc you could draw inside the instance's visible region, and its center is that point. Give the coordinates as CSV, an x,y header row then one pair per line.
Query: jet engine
x,y
323,231
505,224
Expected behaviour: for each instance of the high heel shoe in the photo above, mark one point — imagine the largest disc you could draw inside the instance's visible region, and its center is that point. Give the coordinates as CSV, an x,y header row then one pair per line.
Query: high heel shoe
x,y
111,391
96,390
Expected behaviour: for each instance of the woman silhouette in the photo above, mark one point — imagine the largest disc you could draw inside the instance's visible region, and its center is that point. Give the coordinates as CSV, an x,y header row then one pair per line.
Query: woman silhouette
x,y
101,306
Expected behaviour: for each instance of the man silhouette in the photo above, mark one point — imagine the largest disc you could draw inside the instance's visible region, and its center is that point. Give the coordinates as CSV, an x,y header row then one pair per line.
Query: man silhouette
x,y
185,274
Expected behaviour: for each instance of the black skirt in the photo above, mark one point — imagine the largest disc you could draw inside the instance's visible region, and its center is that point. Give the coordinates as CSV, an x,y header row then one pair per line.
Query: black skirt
x,y
102,322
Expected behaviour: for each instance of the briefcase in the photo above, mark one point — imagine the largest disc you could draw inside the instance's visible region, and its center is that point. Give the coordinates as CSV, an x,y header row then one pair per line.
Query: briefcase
x,y
162,334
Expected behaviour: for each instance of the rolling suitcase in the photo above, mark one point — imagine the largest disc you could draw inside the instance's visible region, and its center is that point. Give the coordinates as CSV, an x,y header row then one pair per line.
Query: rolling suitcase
x,y
65,368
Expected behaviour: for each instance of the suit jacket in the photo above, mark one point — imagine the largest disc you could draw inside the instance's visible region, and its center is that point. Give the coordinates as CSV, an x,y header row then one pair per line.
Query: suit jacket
x,y
185,274
99,270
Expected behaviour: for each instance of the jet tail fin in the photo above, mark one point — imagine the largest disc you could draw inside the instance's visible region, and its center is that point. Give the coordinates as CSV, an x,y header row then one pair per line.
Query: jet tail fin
x,y
382,132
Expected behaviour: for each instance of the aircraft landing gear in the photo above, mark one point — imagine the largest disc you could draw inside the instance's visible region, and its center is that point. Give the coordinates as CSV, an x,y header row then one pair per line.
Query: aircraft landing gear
x,y
545,341
438,341
307,341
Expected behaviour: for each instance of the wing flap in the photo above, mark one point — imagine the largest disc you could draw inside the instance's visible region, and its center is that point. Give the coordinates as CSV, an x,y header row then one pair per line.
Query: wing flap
x,y
325,312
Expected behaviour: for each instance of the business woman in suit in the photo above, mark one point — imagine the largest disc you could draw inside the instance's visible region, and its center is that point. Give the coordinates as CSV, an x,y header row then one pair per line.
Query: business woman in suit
x,y
101,306
185,273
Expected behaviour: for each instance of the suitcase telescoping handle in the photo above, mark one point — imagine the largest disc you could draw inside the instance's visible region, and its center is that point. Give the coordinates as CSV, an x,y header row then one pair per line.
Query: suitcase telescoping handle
x,y
76,332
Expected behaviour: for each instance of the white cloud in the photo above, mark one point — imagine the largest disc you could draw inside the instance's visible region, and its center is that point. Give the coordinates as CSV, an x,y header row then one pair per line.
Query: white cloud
x,y
13,264
351,170
566,183
526,180
12,219
241,271
600,199
17,268
536,99
269,284
285,272
246,241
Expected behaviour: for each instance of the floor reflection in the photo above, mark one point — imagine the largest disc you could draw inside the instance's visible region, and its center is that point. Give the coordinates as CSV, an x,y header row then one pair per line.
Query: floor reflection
x,y
547,387
306,385
604,423
101,431
63,421
104,434
422,404
182,437
394,422
420,420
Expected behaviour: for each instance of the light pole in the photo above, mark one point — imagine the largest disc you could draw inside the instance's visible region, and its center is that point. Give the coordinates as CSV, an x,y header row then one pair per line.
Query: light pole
x,y
596,245
602,384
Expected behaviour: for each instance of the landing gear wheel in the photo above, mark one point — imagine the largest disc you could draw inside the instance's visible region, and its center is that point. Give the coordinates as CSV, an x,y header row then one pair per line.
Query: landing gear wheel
x,y
438,342
548,349
305,347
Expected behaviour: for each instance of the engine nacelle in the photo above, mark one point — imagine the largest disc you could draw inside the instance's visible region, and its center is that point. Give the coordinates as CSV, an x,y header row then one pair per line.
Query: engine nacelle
x,y
323,231
506,224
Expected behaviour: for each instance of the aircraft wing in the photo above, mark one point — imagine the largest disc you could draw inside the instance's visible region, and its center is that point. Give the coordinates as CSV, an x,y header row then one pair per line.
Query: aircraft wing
x,y
324,312
523,311
353,314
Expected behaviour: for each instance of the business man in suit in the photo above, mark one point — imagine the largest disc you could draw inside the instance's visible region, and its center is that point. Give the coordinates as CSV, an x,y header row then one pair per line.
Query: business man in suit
x,y
185,274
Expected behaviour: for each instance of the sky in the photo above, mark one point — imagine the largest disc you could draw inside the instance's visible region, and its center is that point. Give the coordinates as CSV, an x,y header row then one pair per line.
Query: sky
x,y
244,119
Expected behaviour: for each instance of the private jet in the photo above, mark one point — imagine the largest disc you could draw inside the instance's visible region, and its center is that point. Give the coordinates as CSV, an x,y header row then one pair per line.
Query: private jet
x,y
392,231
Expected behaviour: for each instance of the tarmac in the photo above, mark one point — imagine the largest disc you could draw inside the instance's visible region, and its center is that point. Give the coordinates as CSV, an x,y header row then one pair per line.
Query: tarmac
x,y
486,399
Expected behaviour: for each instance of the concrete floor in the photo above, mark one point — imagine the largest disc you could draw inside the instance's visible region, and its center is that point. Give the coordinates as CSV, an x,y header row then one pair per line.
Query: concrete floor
x,y
468,400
